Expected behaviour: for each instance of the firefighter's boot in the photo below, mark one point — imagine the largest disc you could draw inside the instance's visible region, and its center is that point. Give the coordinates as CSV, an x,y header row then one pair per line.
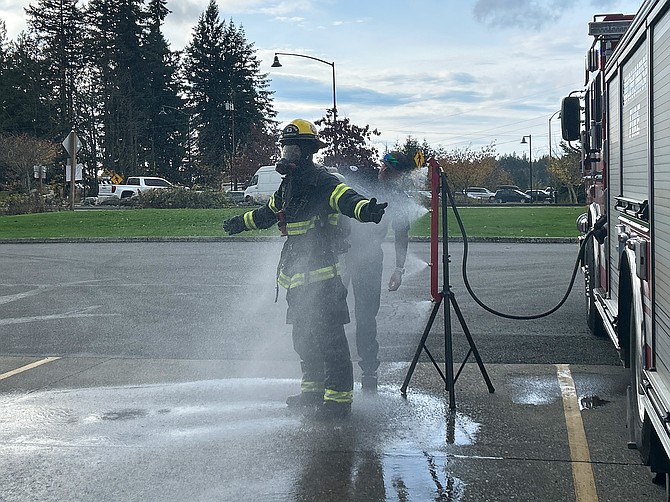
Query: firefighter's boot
x,y
369,382
305,400
332,410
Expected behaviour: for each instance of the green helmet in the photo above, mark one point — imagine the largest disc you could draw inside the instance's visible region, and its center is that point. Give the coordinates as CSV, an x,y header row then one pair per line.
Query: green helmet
x,y
397,161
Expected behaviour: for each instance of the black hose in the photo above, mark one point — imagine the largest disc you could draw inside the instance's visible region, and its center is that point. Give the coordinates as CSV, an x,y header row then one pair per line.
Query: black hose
x,y
464,271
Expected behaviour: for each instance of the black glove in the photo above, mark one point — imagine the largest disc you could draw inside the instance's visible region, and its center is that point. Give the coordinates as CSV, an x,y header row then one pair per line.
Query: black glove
x,y
373,211
234,225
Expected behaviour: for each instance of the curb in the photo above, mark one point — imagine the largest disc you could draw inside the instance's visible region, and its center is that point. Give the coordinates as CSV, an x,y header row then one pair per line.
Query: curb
x,y
111,240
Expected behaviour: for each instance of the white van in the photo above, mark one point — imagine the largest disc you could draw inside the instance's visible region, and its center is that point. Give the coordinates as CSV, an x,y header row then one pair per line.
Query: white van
x,y
263,184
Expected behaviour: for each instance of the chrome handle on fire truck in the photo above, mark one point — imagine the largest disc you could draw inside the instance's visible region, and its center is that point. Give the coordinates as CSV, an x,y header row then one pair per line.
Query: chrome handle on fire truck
x,y
640,249
636,208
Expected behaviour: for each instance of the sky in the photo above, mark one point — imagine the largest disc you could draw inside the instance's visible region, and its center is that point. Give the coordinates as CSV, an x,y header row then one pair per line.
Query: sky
x,y
456,73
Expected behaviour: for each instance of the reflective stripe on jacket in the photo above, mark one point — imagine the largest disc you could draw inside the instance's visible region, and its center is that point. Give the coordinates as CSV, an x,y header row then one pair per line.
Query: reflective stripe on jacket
x,y
310,199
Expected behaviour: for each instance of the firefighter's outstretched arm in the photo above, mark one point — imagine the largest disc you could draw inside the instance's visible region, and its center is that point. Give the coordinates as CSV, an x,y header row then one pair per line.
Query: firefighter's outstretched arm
x,y
348,202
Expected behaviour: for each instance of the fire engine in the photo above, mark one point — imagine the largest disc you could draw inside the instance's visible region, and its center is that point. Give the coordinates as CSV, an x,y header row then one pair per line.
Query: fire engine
x,y
622,121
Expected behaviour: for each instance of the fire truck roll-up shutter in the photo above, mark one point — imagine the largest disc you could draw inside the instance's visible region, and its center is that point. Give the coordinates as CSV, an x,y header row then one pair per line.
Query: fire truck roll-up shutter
x,y
635,125
614,178
660,210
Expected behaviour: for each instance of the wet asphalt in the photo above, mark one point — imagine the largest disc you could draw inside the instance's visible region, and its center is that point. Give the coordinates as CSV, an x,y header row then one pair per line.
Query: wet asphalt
x,y
143,372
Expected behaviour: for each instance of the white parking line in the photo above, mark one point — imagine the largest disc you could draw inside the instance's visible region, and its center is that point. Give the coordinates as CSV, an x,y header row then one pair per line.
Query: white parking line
x,y
84,312
28,367
582,473
19,296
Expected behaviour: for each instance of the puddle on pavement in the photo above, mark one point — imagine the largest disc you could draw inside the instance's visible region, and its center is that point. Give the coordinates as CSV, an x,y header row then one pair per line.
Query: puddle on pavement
x,y
421,476
590,402
535,390
399,448
123,414
418,466
403,467
542,390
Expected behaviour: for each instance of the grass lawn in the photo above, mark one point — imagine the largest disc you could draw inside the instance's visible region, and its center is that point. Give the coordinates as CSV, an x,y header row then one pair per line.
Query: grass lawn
x,y
510,221
493,221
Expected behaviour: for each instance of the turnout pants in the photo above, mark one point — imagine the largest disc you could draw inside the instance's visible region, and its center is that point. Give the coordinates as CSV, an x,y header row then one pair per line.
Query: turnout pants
x,y
318,312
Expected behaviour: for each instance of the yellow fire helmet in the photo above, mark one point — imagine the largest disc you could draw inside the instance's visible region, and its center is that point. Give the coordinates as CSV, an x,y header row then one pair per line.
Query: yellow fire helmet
x,y
299,130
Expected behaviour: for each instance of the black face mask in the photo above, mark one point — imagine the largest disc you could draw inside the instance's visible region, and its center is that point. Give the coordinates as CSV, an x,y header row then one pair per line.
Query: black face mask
x,y
291,155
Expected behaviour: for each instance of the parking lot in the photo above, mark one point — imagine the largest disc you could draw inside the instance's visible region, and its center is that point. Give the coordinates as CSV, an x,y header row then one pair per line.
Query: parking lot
x,y
159,371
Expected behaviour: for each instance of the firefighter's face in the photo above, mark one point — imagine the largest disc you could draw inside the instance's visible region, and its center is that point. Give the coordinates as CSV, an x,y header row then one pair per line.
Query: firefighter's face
x,y
290,158
291,153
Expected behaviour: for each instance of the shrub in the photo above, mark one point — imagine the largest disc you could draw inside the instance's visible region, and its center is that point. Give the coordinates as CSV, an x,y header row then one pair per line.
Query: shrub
x,y
29,203
181,198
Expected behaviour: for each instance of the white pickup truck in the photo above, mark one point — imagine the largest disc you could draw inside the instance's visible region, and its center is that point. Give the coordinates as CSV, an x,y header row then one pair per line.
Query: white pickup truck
x,y
134,185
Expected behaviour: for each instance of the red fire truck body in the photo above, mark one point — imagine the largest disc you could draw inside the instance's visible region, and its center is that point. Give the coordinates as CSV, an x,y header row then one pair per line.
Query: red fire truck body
x,y
625,141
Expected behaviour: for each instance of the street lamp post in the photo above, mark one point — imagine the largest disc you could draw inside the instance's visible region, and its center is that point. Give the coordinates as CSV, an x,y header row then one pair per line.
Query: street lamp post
x,y
557,112
554,193
277,64
188,125
230,107
530,163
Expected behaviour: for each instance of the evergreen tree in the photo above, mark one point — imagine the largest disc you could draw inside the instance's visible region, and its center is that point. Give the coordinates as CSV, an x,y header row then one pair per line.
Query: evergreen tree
x,y
411,147
129,103
517,168
133,79
169,133
57,26
115,40
101,54
24,104
227,94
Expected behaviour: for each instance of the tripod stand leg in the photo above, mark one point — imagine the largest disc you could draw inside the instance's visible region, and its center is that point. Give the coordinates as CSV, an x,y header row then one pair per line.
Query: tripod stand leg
x,y
421,346
473,347
449,354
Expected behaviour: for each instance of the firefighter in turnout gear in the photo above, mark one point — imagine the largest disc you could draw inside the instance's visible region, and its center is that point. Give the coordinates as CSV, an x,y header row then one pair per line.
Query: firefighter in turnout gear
x,y
306,207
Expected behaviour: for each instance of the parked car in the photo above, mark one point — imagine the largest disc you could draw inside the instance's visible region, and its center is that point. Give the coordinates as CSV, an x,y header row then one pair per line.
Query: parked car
x,y
510,195
540,195
479,193
133,186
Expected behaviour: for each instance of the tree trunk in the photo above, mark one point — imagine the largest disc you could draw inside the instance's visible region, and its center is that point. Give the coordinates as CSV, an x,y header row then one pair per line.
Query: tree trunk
x,y
573,194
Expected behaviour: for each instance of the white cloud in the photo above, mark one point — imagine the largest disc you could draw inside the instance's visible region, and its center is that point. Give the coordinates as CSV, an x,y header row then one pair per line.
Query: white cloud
x,y
449,72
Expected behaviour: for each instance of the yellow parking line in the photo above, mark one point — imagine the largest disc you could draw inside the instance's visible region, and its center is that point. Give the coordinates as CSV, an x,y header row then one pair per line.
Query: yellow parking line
x,y
28,367
582,473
